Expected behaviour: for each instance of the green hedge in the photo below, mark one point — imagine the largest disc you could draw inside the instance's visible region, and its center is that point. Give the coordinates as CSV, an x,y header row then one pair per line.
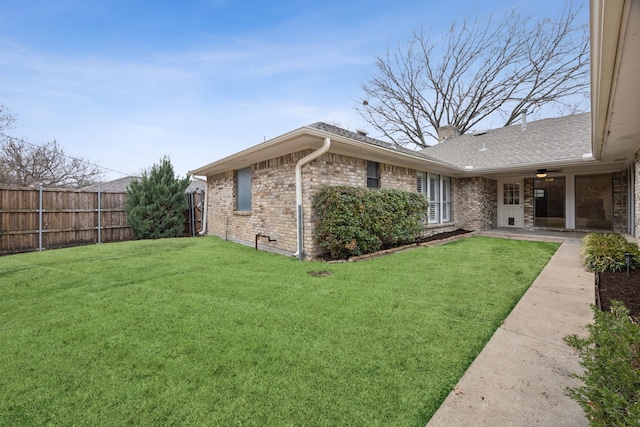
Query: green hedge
x,y
610,356
605,252
355,221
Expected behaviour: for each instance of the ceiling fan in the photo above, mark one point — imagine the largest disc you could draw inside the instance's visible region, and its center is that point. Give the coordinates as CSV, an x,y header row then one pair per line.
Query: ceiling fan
x,y
542,172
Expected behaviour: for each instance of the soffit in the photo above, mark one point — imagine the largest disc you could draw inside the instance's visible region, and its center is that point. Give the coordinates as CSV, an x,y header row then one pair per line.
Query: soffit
x,y
615,84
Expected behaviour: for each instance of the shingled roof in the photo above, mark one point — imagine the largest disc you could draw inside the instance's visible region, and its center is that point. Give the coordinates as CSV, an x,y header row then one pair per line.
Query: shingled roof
x,y
372,141
543,141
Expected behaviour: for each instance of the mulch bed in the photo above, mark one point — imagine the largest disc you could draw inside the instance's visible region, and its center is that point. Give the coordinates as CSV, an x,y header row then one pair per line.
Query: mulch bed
x,y
619,286
441,236
389,249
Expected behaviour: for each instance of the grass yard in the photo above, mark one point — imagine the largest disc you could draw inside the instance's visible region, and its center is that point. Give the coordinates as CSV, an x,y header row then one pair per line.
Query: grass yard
x,y
199,331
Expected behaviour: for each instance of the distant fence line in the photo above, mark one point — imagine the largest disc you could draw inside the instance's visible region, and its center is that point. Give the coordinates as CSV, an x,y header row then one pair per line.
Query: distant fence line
x,y
37,219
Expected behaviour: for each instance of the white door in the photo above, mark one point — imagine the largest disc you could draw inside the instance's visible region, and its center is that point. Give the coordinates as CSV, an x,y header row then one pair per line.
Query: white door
x,y
510,203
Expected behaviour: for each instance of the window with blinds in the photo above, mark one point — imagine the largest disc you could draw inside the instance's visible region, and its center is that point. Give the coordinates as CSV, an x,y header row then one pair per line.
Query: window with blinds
x,y
437,188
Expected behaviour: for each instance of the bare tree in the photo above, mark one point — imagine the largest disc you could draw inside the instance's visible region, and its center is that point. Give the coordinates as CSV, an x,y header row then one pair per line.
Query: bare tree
x,y
478,70
27,165
6,118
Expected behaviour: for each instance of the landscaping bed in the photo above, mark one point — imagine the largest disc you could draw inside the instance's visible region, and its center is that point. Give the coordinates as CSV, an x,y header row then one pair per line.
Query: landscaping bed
x,y
441,236
387,249
618,286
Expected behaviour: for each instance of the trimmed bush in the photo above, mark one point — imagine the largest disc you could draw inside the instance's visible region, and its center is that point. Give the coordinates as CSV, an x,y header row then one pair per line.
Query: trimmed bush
x,y
355,221
610,356
605,252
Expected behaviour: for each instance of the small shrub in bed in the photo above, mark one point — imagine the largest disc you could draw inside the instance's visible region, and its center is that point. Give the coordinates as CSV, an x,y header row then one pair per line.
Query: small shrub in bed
x,y
605,252
610,356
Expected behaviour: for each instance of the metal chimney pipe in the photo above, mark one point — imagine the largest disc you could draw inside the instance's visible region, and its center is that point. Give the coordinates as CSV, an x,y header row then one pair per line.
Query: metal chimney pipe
x,y
524,119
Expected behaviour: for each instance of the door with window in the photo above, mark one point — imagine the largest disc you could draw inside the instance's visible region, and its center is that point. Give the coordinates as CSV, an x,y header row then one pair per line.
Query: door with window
x,y
510,211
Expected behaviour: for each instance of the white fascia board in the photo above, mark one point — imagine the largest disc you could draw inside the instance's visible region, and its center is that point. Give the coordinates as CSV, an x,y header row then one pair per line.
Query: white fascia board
x,y
606,22
238,157
278,146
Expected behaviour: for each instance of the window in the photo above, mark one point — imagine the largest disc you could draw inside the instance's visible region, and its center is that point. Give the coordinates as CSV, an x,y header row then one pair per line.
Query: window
x,y
594,201
373,177
434,198
437,188
446,198
549,204
511,194
243,189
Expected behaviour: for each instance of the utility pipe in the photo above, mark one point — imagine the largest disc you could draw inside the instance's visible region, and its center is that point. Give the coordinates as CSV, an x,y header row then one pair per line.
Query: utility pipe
x,y
299,214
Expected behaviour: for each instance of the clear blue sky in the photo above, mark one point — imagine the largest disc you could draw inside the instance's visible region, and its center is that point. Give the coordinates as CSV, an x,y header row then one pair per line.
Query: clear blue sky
x,y
124,82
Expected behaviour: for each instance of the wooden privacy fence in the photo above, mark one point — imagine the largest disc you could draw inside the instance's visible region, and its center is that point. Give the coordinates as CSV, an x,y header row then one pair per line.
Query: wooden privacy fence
x,y
32,220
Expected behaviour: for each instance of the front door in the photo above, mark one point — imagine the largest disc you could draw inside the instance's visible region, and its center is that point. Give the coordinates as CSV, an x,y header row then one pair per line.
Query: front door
x,y
510,212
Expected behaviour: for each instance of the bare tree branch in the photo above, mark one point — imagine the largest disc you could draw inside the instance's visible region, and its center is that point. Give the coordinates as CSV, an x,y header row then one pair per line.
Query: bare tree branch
x,y
480,69
6,118
26,164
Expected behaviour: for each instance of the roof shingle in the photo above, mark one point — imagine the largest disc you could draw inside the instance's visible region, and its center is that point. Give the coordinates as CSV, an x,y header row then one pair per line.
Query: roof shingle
x,y
372,141
562,138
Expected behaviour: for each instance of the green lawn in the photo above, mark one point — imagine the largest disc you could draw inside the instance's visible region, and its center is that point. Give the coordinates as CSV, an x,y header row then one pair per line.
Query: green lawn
x,y
200,331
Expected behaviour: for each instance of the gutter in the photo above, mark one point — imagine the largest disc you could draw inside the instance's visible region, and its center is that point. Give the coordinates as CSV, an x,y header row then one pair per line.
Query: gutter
x,y
299,213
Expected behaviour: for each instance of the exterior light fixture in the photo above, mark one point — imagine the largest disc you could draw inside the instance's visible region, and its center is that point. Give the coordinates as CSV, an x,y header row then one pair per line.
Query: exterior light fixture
x,y
628,256
541,173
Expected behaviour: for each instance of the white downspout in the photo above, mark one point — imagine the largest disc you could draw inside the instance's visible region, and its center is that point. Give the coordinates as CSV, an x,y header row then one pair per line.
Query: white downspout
x,y
204,210
299,215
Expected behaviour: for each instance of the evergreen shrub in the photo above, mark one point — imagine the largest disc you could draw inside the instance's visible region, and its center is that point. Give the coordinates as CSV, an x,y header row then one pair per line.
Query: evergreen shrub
x,y
610,356
156,203
605,252
355,221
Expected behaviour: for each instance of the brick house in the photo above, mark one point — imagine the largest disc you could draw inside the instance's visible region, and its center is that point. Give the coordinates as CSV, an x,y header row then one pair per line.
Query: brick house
x,y
575,172
258,190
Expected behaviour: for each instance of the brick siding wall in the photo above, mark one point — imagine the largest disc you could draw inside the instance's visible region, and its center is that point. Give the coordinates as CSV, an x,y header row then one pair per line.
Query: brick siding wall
x,y
475,202
273,196
620,202
528,204
273,205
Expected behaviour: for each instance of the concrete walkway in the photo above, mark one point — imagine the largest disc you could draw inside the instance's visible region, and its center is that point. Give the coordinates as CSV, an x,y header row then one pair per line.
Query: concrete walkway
x,y
520,377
